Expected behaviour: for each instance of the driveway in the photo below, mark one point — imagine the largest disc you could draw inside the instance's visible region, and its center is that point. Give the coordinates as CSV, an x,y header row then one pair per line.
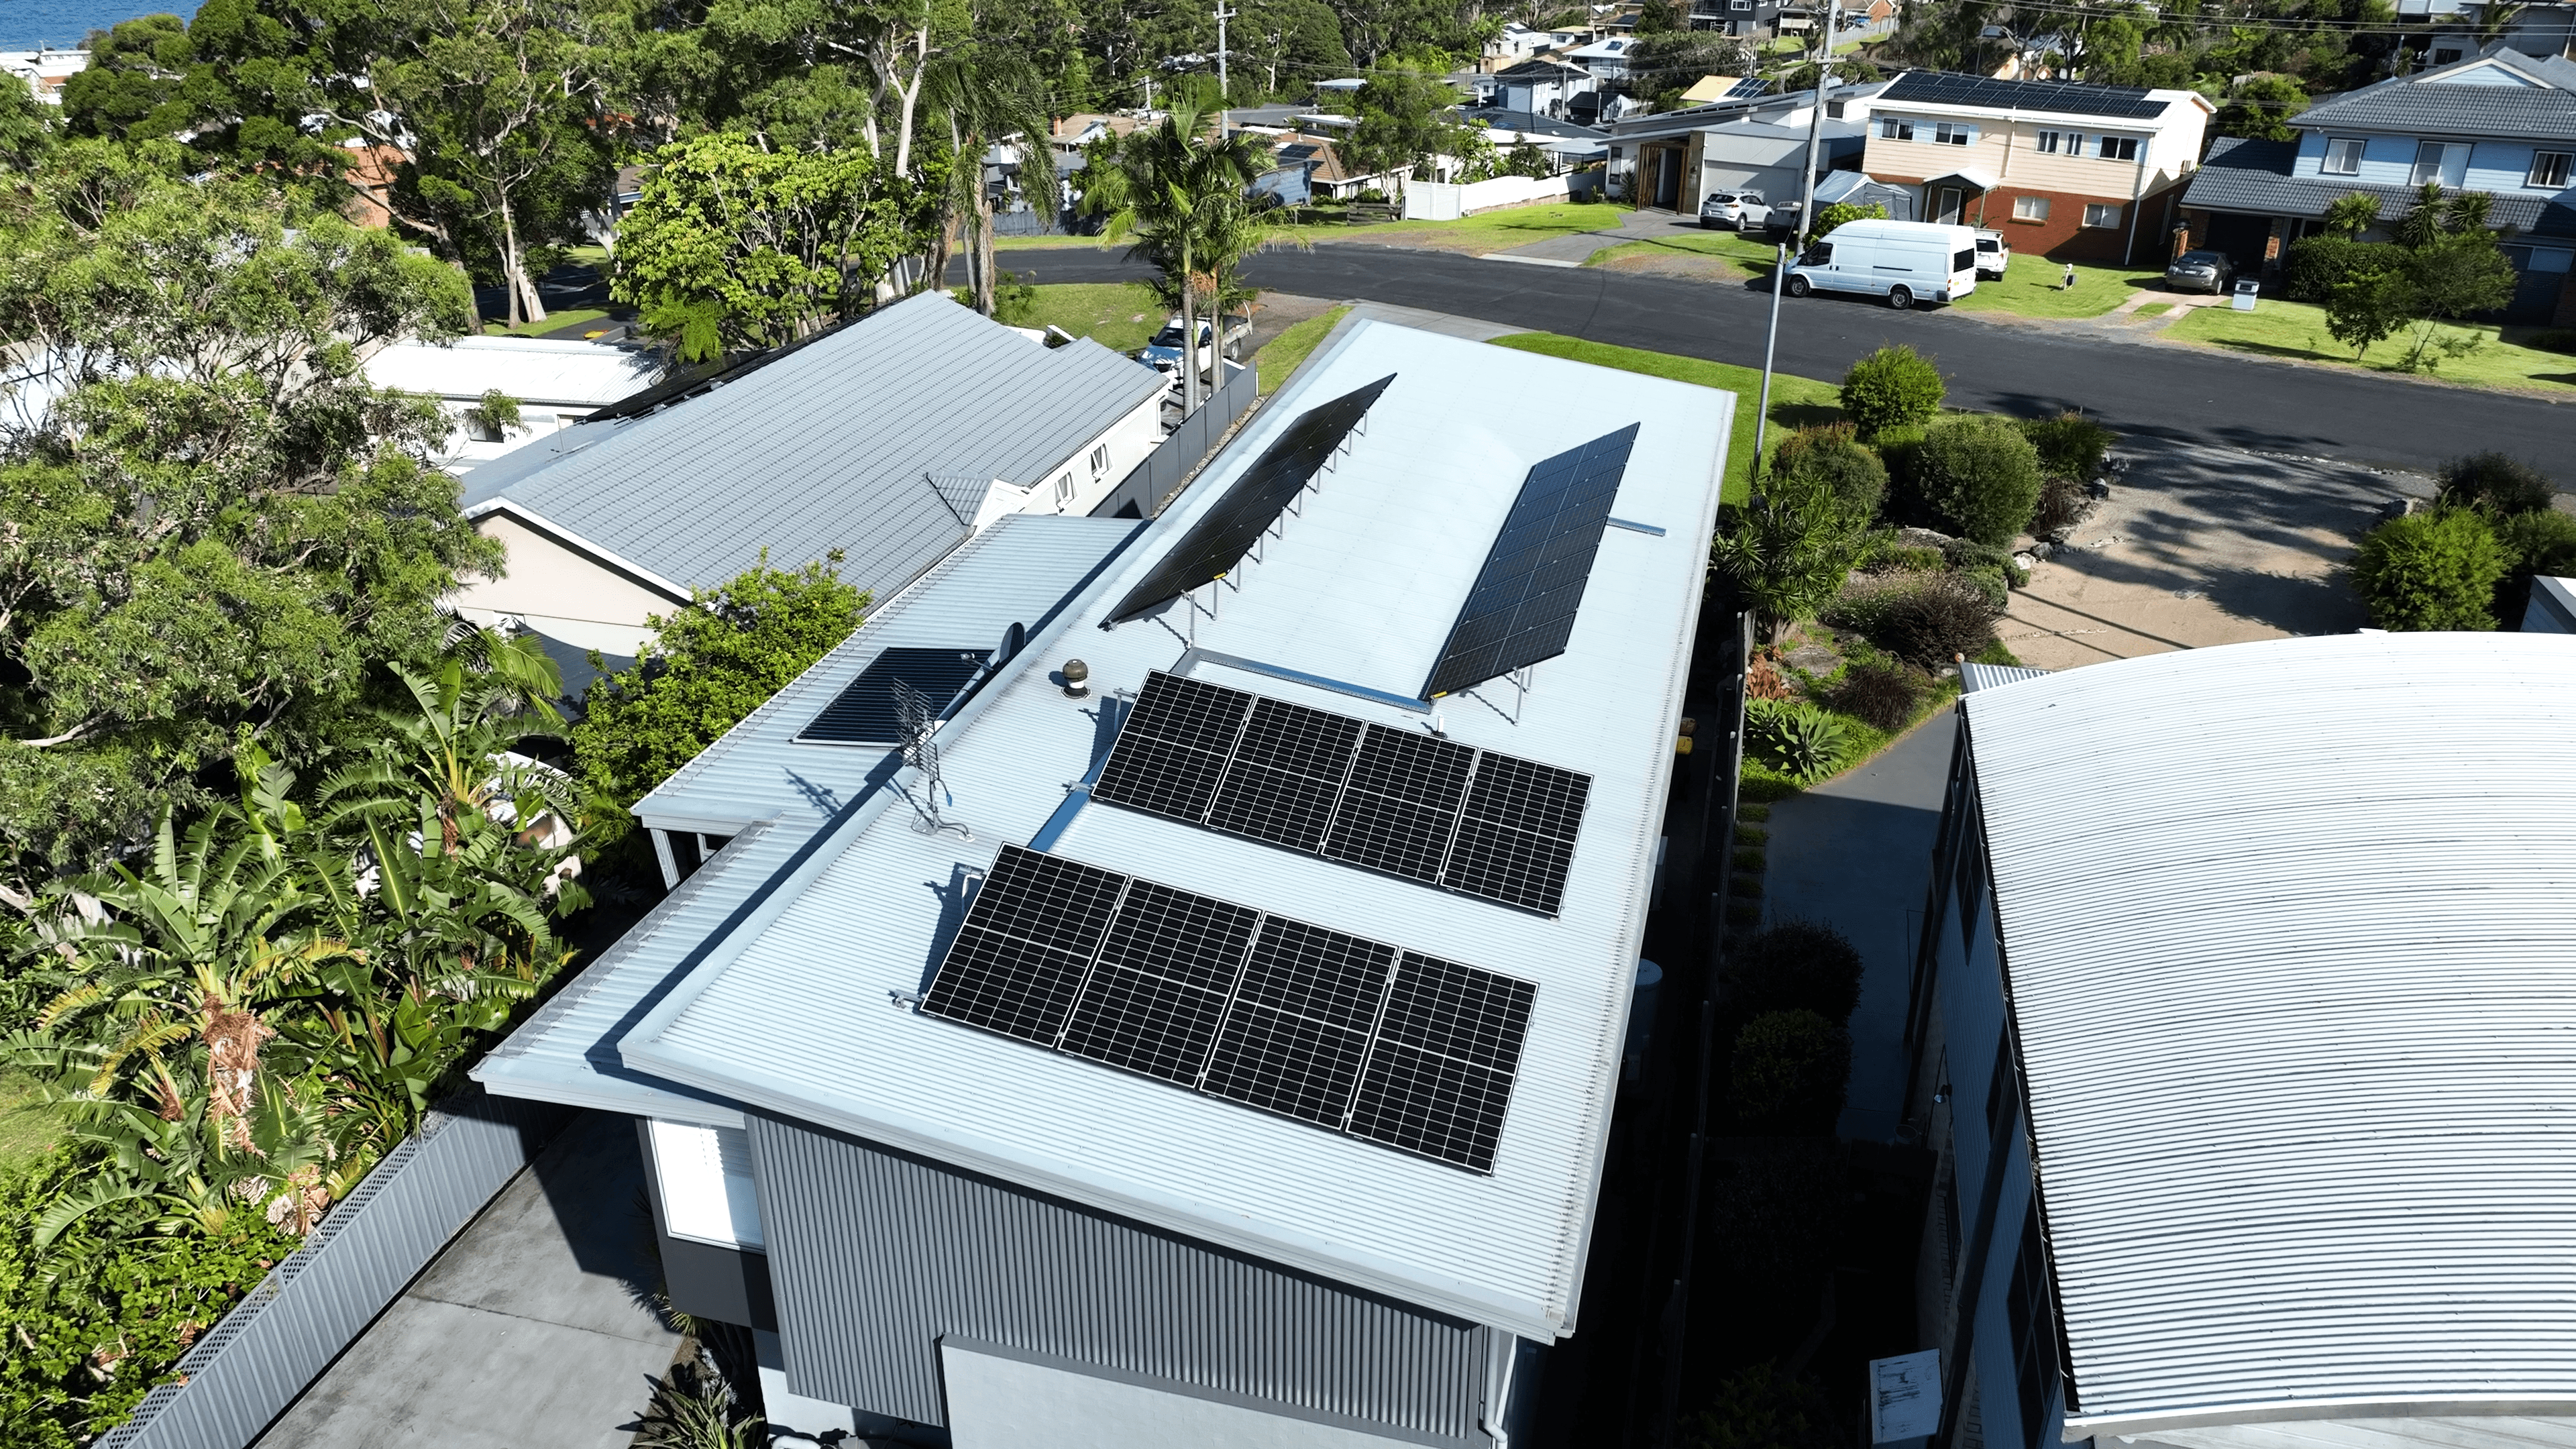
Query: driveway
x,y
531,1331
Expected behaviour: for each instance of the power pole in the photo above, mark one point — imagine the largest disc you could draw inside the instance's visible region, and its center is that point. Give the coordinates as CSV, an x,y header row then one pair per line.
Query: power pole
x,y
1222,93
1806,224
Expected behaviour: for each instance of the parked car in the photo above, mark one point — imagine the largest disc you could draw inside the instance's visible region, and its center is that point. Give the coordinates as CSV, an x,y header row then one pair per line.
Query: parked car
x,y
1742,210
1903,261
1163,352
1993,255
2201,271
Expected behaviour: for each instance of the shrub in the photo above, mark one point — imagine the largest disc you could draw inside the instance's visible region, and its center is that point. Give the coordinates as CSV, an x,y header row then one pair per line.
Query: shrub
x,y
1789,1071
1834,456
2319,264
2070,444
1882,696
1979,475
2504,483
1903,559
2431,571
1794,966
1935,619
1966,555
1892,388
1762,1408
1990,583
2063,503
2535,545
1795,738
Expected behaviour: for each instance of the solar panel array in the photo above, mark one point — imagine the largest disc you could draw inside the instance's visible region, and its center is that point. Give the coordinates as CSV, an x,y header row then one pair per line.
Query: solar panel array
x,y
2058,97
1347,1033
1226,532
1523,605
864,712
1382,799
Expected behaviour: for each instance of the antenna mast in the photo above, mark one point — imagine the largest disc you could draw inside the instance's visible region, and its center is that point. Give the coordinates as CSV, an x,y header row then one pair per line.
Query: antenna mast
x,y
919,720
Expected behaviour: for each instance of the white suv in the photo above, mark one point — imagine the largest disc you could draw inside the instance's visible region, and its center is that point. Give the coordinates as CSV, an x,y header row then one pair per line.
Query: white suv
x,y
1742,210
1993,255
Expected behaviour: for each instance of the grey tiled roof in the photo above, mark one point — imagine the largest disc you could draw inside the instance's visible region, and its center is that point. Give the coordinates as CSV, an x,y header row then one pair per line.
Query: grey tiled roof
x,y
834,445
2426,104
2254,176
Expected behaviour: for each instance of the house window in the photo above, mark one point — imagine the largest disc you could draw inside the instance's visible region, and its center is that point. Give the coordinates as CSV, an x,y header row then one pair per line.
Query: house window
x,y
1892,129
2343,156
706,1182
2030,208
1972,876
2437,161
2030,1311
1953,133
2003,1091
2101,213
1100,462
2117,148
2447,55
2549,169
2047,142
1064,489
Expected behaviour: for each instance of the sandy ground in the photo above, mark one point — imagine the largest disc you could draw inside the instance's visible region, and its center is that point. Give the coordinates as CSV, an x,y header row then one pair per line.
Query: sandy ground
x,y
2199,546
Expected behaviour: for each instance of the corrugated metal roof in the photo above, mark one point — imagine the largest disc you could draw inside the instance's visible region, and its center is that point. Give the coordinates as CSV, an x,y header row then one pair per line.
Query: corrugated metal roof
x,y
1015,572
797,1011
1974,676
831,446
539,370
2291,933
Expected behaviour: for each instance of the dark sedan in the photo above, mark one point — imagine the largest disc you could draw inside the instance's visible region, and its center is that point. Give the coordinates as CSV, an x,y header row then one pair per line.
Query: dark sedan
x,y
2208,272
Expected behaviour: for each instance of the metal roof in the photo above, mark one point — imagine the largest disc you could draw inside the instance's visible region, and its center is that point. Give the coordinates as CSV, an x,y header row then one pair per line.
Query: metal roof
x,y
2133,103
2290,933
2254,176
2538,103
830,446
1017,571
1974,676
797,1011
540,370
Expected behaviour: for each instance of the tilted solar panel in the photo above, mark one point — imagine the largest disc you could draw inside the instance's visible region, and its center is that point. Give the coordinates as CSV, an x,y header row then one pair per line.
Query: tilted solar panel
x,y
1225,533
1521,609
864,712
1346,1033
1363,794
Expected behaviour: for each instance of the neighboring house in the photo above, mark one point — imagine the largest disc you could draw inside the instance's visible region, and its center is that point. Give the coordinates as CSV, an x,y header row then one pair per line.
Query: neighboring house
x,y
1061,1120
890,439
1518,42
1542,86
1566,144
2072,172
1670,160
45,69
2503,123
1082,128
1749,19
2244,1077
2463,28
1606,60
556,383
1307,167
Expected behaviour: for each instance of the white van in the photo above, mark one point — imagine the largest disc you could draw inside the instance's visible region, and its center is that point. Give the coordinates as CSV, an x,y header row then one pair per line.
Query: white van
x,y
1904,261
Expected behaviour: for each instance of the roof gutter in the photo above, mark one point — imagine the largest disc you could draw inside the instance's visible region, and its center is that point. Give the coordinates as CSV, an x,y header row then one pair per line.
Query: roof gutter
x,y
2287,1411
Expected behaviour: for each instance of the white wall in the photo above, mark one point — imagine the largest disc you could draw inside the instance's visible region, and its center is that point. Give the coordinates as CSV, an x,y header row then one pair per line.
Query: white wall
x,y
1444,201
997,1402
561,592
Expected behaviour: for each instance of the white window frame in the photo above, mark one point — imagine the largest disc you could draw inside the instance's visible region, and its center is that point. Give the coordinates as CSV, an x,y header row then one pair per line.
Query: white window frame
x,y
2030,208
2108,210
2550,177
1953,133
1100,462
2115,148
1895,128
2046,142
706,1178
2357,146
1064,489
2441,161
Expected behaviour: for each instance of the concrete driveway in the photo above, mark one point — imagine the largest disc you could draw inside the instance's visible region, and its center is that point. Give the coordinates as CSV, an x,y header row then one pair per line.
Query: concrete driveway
x,y
532,1329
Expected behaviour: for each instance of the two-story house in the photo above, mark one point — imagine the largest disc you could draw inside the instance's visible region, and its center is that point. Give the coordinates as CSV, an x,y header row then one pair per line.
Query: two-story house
x,y
2074,172
2502,122
1542,86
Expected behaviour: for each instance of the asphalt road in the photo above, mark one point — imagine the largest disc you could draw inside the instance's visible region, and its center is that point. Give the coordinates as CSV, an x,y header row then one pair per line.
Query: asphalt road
x,y
2194,395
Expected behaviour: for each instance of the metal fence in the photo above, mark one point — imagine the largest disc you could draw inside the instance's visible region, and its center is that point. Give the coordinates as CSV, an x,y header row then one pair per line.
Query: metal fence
x,y
286,1331
1028,221
1151,484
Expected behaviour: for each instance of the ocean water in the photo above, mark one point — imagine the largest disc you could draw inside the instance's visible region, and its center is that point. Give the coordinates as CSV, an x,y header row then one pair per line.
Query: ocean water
x,y
27,24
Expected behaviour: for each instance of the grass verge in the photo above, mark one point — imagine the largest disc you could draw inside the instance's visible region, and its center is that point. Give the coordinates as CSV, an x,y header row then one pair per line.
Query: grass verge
x,y
1796,402
1747,254
1282,354
1489,231
2297,330
1118,315
2036,287
555,322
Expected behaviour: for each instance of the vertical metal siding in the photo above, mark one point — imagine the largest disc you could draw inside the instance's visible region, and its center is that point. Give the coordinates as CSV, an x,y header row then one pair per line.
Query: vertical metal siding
x,y
285,1332
1150,482
874,1255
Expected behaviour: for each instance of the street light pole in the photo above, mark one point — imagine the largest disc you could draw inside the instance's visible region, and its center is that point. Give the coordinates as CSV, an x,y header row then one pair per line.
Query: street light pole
x,y
1806,223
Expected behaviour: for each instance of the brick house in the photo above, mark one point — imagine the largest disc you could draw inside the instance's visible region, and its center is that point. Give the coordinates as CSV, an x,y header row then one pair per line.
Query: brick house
x,y
2071,172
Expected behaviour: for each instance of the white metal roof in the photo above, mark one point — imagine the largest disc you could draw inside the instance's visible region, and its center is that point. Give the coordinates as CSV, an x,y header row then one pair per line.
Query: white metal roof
x,y
795,1011
2290,931
542,371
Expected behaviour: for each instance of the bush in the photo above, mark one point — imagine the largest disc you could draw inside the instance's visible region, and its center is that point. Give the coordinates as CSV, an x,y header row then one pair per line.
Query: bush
x,y
1789,1071
2536,545
2504,483
1990,583
1903,559
1935,619
1979,475
2070,444
1893,387
1762,1408
2319,264
1834,456
1882,696
2063,503
1794,966
2431,571
1797,739
1966,555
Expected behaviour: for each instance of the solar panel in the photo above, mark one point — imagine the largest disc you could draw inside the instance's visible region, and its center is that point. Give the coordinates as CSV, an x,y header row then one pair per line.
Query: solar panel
x,y
1226,532
1329,1028
1440,1074
1366,795
864,712
1522,607
2060,97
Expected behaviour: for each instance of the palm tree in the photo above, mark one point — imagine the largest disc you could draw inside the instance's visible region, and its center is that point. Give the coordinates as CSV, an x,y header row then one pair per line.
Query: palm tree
x,y
988,93
1180,194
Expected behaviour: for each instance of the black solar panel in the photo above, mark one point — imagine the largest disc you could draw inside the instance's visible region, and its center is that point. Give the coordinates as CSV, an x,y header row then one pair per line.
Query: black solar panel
x,y
1226,532
1364,794
1440,1074
1522,607
2058,97
1333,1029
864,712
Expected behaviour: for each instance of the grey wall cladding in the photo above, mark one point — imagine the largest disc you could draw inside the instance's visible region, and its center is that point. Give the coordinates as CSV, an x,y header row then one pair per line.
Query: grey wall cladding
x,y
1141,493
875,1254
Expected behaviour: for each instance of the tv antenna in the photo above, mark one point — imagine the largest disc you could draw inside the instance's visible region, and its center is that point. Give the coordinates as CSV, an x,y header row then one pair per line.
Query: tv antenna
x,y
919,720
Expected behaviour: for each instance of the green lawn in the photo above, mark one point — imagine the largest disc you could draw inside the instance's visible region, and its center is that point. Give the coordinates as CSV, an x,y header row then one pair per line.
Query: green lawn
x,y
1118,315
555,321
2154,309
1751,254
1486,232
1796,402
28,1123
2277,328
2035,287
1284,352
